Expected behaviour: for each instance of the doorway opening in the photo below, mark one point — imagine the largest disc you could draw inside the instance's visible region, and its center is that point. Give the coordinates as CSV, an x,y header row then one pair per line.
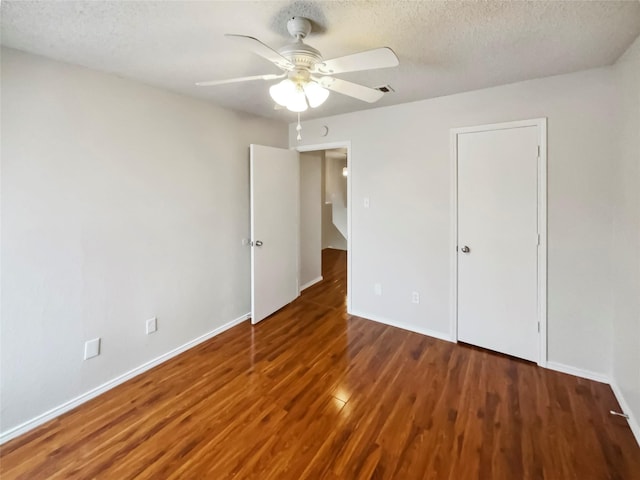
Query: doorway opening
x,y
325,222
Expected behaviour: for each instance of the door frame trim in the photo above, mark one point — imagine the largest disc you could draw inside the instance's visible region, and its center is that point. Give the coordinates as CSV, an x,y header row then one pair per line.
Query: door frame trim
x,y
328,146
541,124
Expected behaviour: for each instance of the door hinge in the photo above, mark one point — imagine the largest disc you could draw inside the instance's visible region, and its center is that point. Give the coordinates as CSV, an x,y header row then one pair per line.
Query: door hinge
x,y
538,151
538,240
538,327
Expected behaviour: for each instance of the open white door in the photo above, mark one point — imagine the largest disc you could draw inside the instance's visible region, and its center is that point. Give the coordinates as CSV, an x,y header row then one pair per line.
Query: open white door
x,y
274,229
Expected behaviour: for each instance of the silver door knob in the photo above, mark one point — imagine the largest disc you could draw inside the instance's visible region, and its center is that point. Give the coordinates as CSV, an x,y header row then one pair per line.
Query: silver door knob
x,y
258,243
465,249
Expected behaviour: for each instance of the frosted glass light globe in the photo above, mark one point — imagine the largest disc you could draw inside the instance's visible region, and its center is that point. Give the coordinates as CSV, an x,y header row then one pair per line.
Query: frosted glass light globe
x,y
315,94
283,92
297,102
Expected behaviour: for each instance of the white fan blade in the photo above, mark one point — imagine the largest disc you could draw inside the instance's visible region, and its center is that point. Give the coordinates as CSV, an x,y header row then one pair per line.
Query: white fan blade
x,y
239,79
371,59
259,48
366,94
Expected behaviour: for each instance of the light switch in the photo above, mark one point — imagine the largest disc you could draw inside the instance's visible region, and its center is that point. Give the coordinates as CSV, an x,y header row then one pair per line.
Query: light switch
x,y
152,325
92,348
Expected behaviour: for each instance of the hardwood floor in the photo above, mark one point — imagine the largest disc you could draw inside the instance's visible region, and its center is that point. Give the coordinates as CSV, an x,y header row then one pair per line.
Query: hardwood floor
x,y
314,393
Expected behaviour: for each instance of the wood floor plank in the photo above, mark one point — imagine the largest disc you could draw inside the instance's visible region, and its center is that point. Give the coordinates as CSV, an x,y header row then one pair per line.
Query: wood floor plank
x,y
313,393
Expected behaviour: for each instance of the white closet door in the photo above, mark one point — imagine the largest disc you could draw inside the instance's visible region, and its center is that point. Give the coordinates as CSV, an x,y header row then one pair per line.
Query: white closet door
x,y
498,240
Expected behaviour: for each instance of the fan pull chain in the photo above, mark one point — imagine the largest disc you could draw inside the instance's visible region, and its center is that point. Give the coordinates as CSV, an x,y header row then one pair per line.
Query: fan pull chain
x,y
299,128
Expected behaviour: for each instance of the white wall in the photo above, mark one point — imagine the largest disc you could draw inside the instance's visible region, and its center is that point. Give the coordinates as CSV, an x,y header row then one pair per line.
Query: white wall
x,y
119,202
400,159
626,236
310,217
335,190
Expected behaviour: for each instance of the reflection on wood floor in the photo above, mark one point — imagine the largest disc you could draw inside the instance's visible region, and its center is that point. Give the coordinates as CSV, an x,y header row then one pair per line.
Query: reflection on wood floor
x,y
314,393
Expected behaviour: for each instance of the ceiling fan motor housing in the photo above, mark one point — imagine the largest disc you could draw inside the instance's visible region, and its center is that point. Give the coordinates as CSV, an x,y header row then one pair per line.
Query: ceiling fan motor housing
x,y
303,56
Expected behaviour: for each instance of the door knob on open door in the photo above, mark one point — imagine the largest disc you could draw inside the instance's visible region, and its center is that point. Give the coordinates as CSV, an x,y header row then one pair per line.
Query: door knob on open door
x,y
465,249
258,243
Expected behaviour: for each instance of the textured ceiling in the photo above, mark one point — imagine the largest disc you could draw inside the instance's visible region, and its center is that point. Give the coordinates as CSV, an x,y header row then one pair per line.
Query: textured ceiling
x,y
444,47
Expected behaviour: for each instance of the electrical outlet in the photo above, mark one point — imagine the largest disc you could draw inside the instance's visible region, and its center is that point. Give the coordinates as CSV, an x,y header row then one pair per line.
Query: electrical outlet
x,y
415,297
377,289
92,348
152,325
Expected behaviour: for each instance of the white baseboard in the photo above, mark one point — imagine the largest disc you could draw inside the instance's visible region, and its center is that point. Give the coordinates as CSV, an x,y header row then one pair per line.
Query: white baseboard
x,y
632,420
80,399
578,372
403,326
312,282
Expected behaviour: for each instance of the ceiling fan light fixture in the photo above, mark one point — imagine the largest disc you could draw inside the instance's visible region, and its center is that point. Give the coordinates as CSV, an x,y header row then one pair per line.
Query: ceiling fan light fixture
x,y
315,94
288,93
298,96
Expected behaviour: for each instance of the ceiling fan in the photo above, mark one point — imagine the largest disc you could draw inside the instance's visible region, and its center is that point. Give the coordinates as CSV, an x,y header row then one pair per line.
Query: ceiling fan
x,y
307,78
